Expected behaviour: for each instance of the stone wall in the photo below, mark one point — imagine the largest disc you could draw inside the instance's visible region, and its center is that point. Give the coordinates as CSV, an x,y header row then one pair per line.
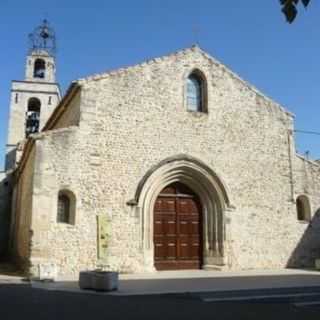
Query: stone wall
x,y
22,211
50,69
25,91
59,158
5,188
71,116
21,92
137,118
306,178
134,118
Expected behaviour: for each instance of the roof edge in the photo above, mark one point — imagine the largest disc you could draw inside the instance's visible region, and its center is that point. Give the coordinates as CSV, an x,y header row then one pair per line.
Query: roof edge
x,y
61,107
107,73
311,161
25,156
195,47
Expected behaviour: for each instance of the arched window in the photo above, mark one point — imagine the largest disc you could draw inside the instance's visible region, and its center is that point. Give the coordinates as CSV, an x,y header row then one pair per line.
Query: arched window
x,y
34,105
33,116
303,208
196,92
66,207
39,70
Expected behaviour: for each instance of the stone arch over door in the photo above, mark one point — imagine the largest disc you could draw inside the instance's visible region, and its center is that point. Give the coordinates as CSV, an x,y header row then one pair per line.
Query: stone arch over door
x,y
211,192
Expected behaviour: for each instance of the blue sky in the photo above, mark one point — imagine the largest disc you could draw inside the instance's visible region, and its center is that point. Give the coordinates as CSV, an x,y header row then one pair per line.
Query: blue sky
x,y
249,36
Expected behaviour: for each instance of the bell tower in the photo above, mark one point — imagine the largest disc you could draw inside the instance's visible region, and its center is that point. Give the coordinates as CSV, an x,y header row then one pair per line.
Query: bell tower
x,y
34,98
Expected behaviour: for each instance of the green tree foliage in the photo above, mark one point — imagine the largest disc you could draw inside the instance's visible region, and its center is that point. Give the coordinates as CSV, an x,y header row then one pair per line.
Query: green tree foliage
x,y
289,8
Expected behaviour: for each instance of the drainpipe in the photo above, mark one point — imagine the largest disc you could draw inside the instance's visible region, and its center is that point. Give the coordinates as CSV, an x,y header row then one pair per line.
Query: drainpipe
x,y
290,154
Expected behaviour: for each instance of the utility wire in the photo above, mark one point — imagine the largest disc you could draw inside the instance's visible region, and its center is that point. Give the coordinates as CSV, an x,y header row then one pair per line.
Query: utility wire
x,y
308,132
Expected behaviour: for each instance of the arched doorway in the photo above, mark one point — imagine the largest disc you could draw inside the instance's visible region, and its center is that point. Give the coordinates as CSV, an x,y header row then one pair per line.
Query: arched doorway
x,y
214,200
177,229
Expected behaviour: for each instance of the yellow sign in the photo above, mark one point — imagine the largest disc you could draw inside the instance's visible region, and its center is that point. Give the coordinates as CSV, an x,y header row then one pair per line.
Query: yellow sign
x,y
103,235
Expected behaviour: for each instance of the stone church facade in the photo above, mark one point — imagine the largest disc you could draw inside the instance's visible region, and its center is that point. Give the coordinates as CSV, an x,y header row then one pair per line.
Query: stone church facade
x,y
175,163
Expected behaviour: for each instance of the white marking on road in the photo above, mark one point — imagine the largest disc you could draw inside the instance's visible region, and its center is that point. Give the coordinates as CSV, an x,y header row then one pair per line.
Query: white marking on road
x,y
284,295
309,303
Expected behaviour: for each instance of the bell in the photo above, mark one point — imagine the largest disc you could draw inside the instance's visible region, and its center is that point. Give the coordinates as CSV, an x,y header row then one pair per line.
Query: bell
x,y
44,33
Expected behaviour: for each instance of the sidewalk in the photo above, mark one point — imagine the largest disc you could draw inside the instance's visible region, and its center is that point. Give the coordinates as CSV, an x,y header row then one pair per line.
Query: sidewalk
x,y
9,274
11,279
196,281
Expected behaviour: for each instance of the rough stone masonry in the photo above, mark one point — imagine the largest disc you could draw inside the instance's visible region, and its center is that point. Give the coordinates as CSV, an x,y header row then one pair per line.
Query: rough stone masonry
x,y
118,138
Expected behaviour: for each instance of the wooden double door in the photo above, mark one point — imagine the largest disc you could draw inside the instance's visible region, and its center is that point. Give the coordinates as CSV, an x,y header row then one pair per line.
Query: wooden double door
x,y
177,229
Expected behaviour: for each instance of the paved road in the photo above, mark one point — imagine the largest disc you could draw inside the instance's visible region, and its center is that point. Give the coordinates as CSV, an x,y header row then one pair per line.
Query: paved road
x,y
20,301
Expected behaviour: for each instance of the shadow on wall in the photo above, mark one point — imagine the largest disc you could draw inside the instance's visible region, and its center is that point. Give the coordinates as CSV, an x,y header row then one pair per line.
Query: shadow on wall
x,y
308,248
5,203
10,159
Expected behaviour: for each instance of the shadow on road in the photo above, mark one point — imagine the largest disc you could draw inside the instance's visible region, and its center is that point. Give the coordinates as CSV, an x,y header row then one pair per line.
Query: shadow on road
x,y
21,300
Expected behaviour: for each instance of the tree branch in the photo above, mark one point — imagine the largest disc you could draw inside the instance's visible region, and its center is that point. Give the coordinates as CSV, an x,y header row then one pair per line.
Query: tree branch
x,y
289,8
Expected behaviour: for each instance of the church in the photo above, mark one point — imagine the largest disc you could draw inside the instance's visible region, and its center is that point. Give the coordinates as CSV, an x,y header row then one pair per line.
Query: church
x,y
174,163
